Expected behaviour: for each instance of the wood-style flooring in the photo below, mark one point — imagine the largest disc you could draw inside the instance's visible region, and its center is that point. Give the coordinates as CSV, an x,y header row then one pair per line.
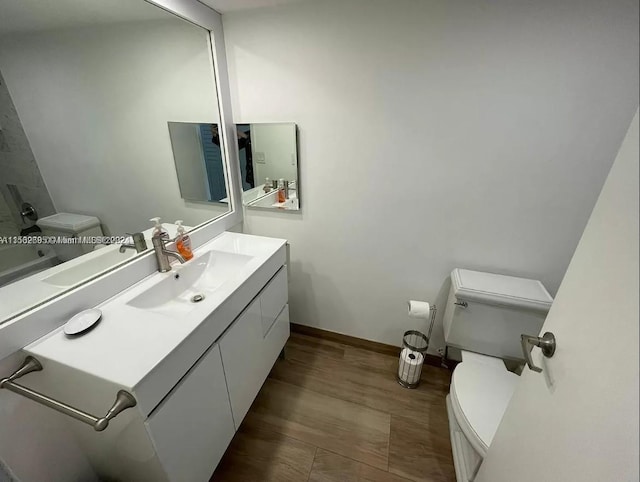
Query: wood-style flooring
x,y
335,412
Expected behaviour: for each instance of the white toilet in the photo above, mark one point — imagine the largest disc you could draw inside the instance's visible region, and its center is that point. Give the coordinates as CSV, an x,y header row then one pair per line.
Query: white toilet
x,y
68,225
484,318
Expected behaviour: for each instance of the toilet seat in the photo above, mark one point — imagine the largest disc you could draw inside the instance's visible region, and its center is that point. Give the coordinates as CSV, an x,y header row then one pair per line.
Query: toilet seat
x,y
480,393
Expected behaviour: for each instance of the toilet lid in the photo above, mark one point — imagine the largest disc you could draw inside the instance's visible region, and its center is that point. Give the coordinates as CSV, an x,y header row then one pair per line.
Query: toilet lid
x,y
482,392
68,223
501,290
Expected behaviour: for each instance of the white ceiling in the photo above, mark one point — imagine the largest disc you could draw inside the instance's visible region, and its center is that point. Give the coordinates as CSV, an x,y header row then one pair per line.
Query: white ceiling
x,y
36,15
225,6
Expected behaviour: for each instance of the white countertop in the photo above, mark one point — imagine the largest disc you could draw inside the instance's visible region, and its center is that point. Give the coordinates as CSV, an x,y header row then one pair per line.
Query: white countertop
x,y
129,343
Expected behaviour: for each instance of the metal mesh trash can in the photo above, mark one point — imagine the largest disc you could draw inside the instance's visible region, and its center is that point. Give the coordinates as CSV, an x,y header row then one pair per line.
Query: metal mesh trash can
x,y
414,349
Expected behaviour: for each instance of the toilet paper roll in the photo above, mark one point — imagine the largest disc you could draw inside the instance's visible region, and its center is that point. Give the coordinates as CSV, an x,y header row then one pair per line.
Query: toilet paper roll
x,y
419,309
410,366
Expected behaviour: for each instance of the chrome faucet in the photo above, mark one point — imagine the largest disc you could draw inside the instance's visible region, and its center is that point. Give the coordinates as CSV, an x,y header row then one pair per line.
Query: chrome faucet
x,y
163,254
139,243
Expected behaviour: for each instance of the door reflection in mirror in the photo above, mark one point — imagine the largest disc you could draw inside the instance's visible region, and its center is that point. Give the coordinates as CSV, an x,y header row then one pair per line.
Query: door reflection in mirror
x,y
268,155
246,156
198,159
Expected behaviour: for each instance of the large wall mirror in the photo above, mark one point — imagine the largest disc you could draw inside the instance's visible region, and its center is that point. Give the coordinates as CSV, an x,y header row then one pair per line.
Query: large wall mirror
x,y
268,155
87,89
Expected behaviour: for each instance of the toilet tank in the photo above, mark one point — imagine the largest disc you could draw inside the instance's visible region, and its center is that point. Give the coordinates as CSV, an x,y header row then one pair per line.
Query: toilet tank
x,y
68,225
486,313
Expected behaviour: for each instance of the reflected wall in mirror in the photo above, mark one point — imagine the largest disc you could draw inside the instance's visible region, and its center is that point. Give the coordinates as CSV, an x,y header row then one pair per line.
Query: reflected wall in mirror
x,y
198,159
268,155
86,90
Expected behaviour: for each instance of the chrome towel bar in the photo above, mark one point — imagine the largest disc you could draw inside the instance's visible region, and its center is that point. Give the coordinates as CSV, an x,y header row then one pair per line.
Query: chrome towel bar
x,y
123,401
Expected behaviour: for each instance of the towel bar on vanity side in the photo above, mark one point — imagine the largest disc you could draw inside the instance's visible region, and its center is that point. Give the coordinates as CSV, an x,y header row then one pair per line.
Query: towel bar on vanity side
x,y
123,401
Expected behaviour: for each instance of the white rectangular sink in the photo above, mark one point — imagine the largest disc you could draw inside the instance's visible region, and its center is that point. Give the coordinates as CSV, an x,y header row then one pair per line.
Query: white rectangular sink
x,y
191,283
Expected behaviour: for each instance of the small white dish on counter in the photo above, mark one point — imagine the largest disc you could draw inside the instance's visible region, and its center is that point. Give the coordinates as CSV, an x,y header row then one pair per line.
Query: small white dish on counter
x,y
82,321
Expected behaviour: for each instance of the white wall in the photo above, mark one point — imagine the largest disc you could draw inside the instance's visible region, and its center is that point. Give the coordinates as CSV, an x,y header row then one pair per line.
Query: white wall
x,y
95,103
276,145
433,135
584,424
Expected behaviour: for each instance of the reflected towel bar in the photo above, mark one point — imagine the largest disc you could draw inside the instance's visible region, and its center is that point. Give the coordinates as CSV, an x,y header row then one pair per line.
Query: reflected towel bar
x,y
123,401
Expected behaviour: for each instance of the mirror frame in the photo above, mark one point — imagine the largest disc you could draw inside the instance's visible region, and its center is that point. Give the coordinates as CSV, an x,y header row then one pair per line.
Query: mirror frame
x,y
205,17
33,322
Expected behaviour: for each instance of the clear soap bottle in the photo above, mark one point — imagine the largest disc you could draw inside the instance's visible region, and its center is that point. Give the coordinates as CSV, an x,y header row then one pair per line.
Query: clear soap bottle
x,y
158,229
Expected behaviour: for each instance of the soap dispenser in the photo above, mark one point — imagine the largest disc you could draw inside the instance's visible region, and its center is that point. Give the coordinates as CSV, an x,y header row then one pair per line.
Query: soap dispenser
x,y
158,229
281,195
183,242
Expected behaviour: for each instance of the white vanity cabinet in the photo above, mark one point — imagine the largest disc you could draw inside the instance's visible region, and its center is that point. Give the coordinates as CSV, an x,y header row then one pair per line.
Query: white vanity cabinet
x,y
194,373
193,426
252,344
208,405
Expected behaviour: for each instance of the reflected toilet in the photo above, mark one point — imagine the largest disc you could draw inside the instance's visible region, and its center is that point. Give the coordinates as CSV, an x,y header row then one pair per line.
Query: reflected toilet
x,y
70,227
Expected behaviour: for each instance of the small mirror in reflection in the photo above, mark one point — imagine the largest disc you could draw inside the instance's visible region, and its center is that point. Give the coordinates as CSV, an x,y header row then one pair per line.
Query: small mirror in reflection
x,y
268,155
198,159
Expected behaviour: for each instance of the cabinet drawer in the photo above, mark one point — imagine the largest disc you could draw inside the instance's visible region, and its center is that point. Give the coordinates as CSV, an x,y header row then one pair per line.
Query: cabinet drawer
x,y
275,340
196,414
273,298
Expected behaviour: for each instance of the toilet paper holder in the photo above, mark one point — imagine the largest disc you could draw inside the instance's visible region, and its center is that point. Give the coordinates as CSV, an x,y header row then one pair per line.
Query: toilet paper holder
x,y
413,353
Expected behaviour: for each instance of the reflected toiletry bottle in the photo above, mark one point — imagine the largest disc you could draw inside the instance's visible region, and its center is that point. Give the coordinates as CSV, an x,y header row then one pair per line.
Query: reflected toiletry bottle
x,y
183,242
267,185
281,196
158,229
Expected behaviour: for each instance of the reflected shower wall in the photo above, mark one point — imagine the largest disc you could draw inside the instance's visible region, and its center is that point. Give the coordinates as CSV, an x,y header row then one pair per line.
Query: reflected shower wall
x,y
8,226
20,180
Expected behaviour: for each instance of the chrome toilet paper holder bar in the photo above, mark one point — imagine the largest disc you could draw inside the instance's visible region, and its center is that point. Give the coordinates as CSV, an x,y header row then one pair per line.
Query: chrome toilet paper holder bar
x,y
123,400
